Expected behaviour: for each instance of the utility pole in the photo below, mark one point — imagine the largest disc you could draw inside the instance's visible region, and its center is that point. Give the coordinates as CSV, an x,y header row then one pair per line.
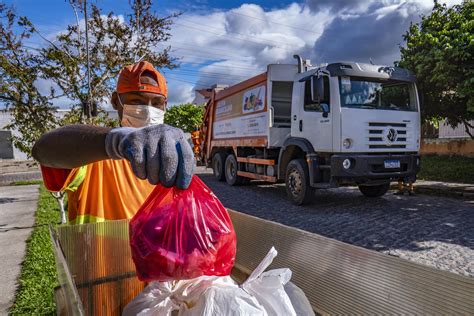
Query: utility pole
x,y
89,97
138,34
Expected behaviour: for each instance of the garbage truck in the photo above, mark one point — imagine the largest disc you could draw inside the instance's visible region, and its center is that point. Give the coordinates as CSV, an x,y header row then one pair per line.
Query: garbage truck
x,y
316,127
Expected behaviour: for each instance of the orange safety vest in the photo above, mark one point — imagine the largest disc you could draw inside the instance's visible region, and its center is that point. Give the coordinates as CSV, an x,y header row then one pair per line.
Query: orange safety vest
x,y
195,137
100,191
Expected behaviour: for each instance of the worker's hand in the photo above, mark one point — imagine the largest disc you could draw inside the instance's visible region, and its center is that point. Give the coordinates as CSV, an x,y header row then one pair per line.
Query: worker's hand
x,y
159,153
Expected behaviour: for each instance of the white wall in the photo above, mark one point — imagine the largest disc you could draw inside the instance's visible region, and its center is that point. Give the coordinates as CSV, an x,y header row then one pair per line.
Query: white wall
x,y
5,119
446,131
199,99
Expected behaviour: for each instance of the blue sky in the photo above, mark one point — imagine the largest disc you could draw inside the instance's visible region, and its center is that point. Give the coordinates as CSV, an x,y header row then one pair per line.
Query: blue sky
x,y
45,11
229,41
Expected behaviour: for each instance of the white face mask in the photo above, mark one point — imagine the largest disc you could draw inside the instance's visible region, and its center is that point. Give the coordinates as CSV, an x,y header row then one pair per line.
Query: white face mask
x,y
141,115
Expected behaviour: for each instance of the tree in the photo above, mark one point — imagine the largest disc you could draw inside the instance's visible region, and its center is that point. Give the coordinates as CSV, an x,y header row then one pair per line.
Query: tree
x,y
185,116
19,71
440,50
114,41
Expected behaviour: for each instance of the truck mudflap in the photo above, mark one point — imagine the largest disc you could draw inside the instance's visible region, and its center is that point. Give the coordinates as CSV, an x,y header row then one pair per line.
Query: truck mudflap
x,y
365,168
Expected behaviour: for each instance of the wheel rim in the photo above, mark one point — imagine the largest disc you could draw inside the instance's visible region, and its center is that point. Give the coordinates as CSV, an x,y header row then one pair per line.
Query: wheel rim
x,y
295,183
217,167
231,170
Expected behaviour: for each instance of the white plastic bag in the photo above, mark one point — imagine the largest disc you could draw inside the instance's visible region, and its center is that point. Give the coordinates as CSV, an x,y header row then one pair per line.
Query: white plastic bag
x,y
154,299
161,298
200,296
229,301
268,287
262,294
299,301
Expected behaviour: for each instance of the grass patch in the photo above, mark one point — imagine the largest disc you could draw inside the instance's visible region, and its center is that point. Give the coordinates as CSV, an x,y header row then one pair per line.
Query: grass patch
x,y
449,169
35,295
27,182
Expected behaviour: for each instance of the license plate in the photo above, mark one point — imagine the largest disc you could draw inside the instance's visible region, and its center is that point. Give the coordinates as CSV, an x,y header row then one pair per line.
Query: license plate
x,y
392,164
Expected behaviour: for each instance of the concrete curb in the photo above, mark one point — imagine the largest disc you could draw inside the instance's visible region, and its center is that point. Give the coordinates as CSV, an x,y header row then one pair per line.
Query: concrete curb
x,y
8,178
438,189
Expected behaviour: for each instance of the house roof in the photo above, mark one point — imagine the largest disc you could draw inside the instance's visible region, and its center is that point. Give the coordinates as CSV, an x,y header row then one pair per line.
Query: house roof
x,y
205,92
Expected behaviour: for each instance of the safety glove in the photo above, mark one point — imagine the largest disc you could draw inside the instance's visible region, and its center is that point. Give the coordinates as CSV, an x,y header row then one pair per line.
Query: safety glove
x,y
158,153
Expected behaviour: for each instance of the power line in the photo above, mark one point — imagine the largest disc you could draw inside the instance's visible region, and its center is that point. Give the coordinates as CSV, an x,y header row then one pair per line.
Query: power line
x,y
221,66
171,43
201,56
207,77
225,35
210,54
212,72
226,52
210,77
268,20
203,85
205,60
241,34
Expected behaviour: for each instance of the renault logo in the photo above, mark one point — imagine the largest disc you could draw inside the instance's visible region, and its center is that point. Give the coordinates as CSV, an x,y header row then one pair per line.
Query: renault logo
x,y
392,135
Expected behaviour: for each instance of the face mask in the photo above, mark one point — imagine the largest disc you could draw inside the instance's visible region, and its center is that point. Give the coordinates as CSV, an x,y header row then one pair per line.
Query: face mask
x,y
141,115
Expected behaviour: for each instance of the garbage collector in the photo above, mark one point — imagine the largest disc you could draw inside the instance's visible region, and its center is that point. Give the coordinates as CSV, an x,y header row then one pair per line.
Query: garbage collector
x,y
108,173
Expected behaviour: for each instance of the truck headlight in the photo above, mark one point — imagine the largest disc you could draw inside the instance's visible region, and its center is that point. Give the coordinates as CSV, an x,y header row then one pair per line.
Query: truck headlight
x,y
346,163
347,143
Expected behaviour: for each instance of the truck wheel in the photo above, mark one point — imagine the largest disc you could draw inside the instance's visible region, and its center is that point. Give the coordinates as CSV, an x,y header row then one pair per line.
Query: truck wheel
x,y
218,161
297,182
374,190
231,168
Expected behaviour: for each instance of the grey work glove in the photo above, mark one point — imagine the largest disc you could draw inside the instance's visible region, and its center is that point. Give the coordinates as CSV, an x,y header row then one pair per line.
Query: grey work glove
x,y
159,153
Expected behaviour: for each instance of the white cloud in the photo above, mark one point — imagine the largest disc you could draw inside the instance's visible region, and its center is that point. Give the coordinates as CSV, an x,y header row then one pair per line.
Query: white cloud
x,y
236,44
375,33
231,46
179,92
44,86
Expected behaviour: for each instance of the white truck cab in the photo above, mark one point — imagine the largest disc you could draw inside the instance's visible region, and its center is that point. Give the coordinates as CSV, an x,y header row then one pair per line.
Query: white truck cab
x,y
344,123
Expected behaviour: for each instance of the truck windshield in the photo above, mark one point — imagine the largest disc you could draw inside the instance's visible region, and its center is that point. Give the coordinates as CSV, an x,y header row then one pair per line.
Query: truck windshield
x,y
364,93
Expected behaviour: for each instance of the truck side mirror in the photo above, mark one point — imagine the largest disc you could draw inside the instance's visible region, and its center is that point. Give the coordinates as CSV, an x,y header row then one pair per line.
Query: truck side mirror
x,y
317,89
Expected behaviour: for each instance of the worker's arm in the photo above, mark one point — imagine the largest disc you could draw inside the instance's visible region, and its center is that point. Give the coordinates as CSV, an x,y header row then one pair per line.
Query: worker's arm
x,y
71,146
159,153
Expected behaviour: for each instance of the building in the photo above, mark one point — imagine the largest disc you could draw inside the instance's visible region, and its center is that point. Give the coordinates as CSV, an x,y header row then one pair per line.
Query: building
x,y
203,95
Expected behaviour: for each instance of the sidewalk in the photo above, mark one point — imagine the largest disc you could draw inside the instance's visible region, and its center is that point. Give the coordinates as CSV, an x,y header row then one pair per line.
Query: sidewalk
x,y
17,217
439,188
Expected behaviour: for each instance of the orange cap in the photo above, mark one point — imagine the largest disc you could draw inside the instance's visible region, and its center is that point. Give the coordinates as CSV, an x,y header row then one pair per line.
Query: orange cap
x,y
129,79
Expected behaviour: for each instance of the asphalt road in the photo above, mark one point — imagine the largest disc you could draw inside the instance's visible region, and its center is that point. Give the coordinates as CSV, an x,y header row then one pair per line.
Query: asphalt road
x,y
430,230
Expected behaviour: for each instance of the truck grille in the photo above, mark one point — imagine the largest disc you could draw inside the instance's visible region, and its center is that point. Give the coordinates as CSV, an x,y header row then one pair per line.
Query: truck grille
x,y
387,135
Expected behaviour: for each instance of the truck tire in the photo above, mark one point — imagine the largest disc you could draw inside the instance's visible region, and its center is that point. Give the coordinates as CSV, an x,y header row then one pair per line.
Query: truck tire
x,y
374,190
297,182
230,169
218,161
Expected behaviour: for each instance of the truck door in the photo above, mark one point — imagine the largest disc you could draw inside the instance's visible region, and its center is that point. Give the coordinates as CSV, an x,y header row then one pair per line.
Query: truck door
x,y
311,119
